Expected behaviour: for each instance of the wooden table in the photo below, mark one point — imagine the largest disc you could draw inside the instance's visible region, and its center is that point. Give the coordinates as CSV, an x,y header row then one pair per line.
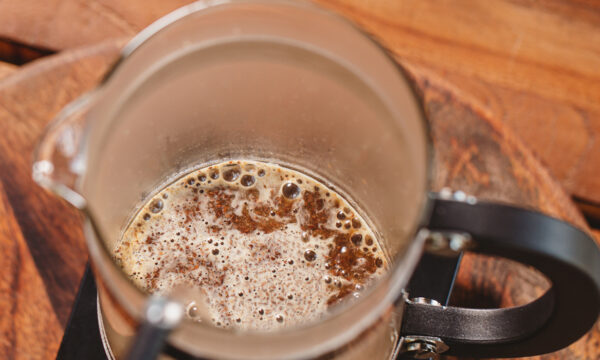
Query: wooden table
x,y
474,97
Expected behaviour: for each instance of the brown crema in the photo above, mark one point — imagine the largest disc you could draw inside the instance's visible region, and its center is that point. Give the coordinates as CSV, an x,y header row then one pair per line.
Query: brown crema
x,y
262,242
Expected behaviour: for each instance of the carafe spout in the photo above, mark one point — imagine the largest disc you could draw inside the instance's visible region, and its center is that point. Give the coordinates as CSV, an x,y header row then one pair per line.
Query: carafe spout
x,y
57,161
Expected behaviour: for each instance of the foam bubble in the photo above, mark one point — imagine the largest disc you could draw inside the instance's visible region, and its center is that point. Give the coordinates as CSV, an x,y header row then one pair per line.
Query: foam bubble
x,y
310,255
247,180
156,206
290,190
305,237
193,311
356,239
263,262
232,173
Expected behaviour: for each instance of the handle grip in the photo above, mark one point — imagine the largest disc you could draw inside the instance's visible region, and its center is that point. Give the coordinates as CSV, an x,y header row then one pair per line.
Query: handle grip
x,y
567,256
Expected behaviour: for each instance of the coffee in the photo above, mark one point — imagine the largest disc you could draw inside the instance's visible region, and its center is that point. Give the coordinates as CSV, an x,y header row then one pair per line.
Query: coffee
x,y
267,246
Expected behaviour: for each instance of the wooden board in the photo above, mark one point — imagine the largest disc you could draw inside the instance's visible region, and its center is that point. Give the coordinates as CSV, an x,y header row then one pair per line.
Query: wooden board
x,y
535,65
29,327
6,69
51,228
474,152
60,25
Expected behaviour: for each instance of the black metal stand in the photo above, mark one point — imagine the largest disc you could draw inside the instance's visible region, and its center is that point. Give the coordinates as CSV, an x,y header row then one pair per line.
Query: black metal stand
x,y
82,338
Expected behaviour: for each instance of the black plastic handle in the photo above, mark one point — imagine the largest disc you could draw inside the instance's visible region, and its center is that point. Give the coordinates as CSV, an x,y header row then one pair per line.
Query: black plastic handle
x,y
568,257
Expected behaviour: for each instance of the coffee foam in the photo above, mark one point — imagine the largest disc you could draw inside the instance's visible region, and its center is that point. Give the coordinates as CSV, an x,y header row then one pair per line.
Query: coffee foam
x,y
269,247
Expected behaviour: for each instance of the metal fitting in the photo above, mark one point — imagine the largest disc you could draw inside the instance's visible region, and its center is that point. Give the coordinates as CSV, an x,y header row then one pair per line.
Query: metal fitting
x,y
163,313
423,347
448,243
459,195
425,301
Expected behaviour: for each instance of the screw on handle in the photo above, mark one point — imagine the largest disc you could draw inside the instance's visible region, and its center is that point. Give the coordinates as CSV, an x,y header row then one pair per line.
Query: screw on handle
x,y
162,315
423,347
431,284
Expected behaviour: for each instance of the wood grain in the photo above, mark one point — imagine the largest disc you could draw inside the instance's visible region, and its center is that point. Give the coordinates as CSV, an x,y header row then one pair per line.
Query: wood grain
x,y
19,54
60,25
533,64
474,151
29,328
52,229
6,69
483,157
